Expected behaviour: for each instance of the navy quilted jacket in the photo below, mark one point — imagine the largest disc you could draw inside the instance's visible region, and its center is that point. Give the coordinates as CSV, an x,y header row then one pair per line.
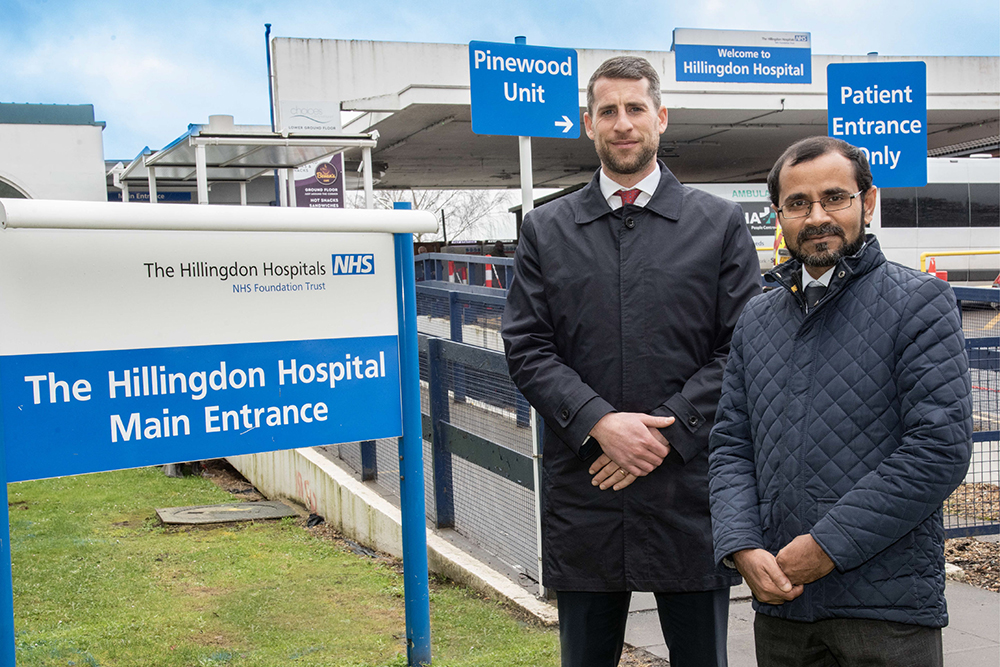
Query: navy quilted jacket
x,y
852,423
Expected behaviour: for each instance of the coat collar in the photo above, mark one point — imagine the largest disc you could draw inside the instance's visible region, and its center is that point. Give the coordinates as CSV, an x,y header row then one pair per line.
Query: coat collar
x,y
789,274
666,201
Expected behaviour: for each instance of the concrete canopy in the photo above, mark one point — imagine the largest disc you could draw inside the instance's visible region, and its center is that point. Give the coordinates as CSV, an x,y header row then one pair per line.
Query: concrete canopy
x,y
417,97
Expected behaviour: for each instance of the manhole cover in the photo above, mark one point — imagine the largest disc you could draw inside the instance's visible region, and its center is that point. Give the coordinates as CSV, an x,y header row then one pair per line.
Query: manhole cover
x,y
225,513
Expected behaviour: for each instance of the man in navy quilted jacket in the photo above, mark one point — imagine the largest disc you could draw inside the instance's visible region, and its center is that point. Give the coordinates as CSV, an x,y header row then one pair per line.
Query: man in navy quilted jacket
x,y
845,422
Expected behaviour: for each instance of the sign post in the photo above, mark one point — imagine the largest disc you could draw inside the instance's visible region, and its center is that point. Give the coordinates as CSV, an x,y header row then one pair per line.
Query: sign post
x,y
142,335
7,656
411,468
882,109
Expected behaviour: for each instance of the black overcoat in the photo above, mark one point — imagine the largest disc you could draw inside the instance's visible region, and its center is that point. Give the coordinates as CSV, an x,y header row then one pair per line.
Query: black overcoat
x,y
628,310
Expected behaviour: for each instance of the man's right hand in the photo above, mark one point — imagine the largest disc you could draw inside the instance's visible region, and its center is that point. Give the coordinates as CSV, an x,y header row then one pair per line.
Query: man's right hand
x,y
632,440
766,580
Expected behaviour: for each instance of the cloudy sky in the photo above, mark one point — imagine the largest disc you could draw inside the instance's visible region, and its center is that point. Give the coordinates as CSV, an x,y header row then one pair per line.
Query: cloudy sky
x,y
151,68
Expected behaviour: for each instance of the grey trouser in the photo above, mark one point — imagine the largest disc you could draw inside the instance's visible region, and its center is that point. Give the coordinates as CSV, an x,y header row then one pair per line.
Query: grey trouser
x,y
845,642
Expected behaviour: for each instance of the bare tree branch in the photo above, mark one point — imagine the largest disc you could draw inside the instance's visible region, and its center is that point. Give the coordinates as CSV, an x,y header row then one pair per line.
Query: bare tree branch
x,y
469,214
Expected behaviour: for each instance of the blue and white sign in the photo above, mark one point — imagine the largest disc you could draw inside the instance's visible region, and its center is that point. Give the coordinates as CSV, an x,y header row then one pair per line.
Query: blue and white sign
x,y
882,109
528,91
143,196
124,348
742,56
133,335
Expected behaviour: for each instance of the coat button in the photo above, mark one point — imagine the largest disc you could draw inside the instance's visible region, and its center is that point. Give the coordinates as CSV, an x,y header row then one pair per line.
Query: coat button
x,y
565,414
630,223
693,420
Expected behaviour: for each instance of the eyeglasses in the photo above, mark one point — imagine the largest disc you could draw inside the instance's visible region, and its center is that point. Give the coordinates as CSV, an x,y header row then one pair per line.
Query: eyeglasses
x,y
800,208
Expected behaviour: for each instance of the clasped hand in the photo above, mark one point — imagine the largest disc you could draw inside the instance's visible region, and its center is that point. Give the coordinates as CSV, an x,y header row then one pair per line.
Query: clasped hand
x,y
632,447
779,579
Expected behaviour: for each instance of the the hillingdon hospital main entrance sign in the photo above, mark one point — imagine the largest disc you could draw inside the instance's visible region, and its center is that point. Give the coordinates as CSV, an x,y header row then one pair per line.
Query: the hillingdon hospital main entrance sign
x,y
135,335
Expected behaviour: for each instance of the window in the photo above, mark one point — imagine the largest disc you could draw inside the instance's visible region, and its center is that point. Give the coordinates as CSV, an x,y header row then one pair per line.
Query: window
x,y
8,191
985,204
943,205
899,207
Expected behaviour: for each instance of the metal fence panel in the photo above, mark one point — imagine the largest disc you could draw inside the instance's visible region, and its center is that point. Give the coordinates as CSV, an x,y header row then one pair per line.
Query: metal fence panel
x,y
974,508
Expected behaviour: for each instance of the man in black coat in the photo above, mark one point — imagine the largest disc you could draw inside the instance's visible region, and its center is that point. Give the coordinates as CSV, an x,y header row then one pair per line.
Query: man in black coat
x,y
617,327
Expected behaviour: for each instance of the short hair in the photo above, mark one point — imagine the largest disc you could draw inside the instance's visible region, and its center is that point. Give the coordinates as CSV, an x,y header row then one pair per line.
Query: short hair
x,y
811,148
626,67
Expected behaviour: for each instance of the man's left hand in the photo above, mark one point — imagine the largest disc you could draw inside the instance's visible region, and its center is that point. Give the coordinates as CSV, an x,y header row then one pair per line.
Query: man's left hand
x,y
608,474
804,561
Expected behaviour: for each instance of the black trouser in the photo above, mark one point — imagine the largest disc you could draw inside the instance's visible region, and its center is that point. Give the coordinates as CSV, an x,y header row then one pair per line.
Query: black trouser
x,y
845,642
592,627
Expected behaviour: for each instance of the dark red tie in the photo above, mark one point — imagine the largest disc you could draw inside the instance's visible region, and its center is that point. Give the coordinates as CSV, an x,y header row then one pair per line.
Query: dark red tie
x,y
628,196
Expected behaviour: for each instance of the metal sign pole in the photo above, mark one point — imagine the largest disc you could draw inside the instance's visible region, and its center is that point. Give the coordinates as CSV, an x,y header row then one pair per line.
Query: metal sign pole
x,y
411,465
6,576
527,204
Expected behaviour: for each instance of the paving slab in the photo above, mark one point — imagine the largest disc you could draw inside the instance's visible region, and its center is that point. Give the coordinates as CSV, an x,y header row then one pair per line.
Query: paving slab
x,y
225,512
642,602
972,638
741,647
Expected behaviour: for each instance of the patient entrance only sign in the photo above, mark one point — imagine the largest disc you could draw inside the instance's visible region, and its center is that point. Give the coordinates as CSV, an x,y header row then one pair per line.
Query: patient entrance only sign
x,y
121,349
882,109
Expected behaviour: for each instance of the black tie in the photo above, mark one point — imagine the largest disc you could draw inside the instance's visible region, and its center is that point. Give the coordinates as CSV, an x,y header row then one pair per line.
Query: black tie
x,y
814,292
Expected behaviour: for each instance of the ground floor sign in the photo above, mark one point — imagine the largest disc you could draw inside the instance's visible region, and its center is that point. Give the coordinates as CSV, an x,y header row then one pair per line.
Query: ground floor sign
x,y
134,335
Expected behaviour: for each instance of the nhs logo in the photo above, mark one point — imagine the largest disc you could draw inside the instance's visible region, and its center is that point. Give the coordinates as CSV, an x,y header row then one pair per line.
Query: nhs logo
x,y
353,264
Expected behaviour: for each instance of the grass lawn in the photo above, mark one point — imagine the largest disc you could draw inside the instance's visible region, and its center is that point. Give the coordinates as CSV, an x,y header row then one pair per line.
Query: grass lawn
x,y
98,581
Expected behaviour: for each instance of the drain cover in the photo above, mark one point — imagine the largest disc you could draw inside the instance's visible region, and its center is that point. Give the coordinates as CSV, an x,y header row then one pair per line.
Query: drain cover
x,y
225,513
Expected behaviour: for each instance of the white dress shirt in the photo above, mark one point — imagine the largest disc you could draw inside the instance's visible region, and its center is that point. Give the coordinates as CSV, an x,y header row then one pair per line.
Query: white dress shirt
x,y
823,280
646,187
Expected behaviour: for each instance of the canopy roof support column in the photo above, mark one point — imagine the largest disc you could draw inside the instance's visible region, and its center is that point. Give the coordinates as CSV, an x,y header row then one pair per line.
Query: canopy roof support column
x,y
290,177
201,172
152,185
366,161
282,188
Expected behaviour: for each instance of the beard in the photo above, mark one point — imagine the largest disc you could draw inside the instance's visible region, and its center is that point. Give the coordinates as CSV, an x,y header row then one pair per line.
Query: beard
x,y
823,255
631,164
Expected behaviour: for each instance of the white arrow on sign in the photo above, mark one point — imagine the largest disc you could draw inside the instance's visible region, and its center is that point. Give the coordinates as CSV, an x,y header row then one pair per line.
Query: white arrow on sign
x,y
565,124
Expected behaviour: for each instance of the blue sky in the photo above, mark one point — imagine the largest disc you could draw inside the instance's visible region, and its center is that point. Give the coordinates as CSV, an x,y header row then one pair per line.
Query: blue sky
x,y
149,69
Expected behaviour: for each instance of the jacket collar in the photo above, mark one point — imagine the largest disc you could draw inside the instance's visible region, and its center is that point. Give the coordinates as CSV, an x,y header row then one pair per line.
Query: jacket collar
x,y
789,274
666,201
